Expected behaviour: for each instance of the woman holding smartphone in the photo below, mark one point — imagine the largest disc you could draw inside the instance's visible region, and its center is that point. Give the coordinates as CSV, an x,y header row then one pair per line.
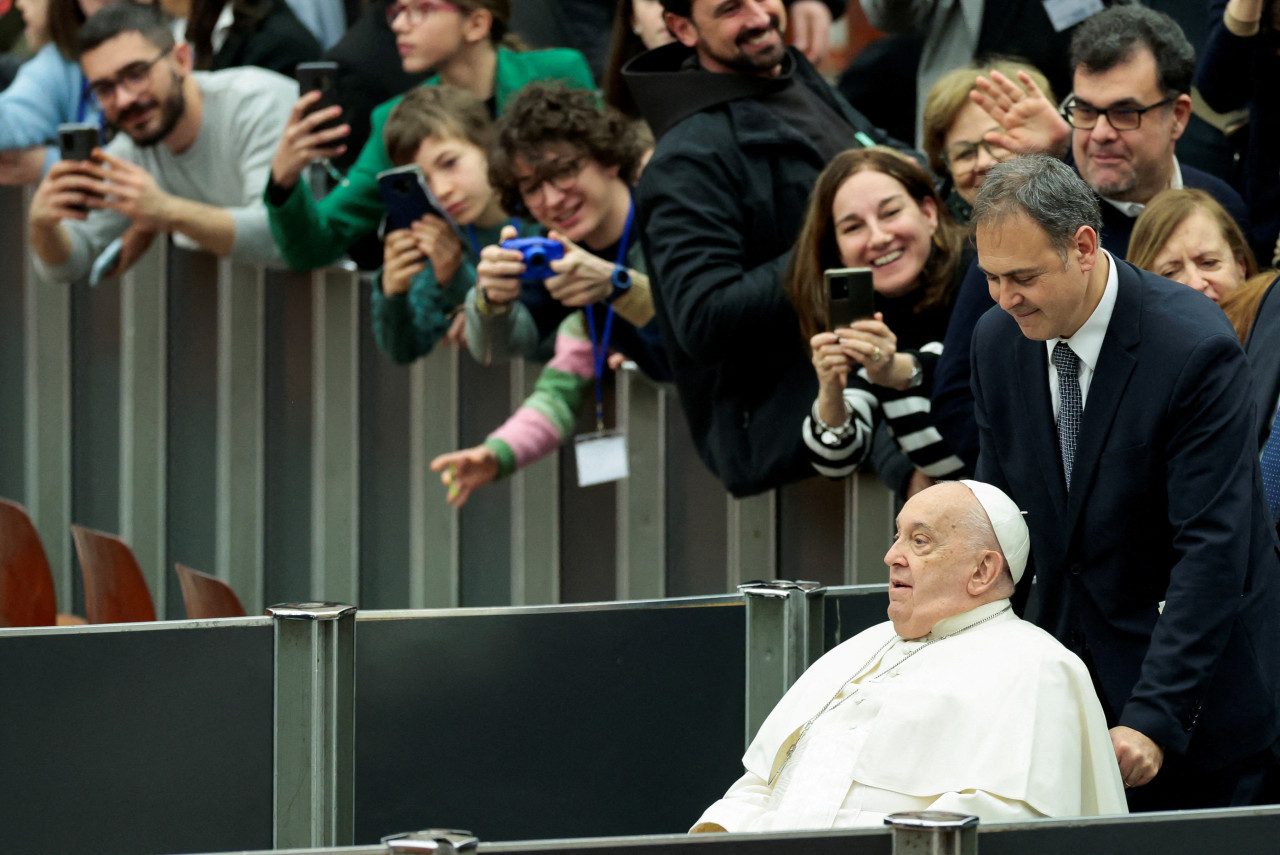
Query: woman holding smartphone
x,y
876,208
467,43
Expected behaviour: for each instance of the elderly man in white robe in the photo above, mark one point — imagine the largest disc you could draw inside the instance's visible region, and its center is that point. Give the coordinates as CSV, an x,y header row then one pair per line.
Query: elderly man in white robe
x,y
953,704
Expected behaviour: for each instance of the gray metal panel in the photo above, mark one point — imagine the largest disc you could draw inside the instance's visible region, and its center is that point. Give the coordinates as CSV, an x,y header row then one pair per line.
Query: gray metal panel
x,y
13,405
241,401
434,530
535,513
136,741
484,395
753,538
191,491
642,499
696,524
335,460
871,508
811,517
288,440
144,355
47,434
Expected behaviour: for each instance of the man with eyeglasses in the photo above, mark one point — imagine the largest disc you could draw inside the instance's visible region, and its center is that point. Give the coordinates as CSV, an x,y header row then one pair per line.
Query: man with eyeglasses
x,y
189,157
1130,105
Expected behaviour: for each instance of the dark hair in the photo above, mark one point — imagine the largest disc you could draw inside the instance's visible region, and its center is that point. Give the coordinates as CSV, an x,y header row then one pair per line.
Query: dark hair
x,y
63,21
150,22
543,114
432,111
623,45
1050,193
499,30
1112,36
246,16
816,249
683,8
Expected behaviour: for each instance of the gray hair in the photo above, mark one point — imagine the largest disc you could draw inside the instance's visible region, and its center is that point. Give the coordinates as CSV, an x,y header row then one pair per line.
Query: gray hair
x,y
1050,193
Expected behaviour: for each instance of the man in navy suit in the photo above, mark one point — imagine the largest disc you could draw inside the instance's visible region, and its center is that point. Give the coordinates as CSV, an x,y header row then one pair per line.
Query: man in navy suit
x,y
1117,409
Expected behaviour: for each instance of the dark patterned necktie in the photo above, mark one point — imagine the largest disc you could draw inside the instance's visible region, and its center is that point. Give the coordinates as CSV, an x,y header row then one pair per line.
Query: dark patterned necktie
x,y
1069,404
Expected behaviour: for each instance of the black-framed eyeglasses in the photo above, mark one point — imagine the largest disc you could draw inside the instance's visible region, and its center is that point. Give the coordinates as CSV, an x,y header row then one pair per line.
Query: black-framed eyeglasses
x,y
1084,116
559,173
132,77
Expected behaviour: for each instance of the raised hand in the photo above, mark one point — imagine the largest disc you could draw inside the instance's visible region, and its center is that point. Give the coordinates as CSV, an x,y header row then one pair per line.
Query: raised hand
x,y
302,143
1031,122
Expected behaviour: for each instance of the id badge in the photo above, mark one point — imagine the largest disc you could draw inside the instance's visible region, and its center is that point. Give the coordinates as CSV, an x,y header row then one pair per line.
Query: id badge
x,y
1067,13
601,457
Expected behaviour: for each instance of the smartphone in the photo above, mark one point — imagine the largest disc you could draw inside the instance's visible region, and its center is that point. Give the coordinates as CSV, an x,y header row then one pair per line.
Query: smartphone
x,y
408,197
850,295
76,141
321,76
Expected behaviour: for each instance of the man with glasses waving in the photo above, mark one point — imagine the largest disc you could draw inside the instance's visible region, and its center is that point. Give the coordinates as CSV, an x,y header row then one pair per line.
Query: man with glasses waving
x,y
190,155
1130,106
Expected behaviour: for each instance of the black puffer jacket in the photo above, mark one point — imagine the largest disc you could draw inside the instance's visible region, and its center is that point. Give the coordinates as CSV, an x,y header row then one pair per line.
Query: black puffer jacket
x,y
719,207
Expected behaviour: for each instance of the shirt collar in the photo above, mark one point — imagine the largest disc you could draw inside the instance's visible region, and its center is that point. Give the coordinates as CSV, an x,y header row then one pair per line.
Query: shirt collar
x,y
1087,341
949,625
1133,209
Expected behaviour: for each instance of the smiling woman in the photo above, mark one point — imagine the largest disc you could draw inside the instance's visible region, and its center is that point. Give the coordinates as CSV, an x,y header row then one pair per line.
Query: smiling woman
x,y
875,208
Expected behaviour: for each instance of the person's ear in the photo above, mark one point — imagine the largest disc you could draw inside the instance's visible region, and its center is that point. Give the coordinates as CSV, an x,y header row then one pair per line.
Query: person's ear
x,y
477,25
986,573
682,28
1086,247
930,210
184,56
1181,116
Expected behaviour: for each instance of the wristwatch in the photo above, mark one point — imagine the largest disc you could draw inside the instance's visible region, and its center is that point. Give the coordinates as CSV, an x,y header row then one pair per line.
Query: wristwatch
x,y
917,372
621,279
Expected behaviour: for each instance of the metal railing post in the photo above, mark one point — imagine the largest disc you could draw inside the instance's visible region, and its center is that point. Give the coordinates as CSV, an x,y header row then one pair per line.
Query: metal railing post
x,y
443,841
314,781
784,637
933,832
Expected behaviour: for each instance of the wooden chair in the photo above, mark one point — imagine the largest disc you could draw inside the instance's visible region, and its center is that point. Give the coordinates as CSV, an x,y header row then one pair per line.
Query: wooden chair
x,y
114,589
207,596
26,584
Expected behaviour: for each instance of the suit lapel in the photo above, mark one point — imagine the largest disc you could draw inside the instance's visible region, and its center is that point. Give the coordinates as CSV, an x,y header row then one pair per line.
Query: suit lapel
x,y
1116,362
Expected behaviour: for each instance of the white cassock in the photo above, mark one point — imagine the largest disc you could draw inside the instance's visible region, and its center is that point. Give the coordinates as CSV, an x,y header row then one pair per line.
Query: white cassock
x,y
1000,721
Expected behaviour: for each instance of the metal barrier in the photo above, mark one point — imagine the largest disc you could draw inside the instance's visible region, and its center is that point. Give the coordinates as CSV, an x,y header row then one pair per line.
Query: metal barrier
x,y
242,421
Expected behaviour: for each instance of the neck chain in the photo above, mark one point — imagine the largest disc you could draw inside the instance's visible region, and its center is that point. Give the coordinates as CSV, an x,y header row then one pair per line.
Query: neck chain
x,y
836,699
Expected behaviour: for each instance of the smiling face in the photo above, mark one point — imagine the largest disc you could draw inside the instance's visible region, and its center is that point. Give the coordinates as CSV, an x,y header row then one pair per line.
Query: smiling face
x,y
146,103
931,560
1198,255
879,225
572,193
734,36
1133,165
457,173
1027,277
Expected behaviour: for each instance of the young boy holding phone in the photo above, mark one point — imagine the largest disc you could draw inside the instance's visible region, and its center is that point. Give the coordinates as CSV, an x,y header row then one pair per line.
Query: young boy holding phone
x,y
429,267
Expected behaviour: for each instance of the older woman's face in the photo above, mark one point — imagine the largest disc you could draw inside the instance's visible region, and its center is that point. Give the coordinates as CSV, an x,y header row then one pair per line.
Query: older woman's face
x,y
1197,254
968,155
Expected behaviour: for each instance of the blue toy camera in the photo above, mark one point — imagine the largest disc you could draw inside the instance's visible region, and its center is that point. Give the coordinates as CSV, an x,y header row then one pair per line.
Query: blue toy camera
x,y
538,254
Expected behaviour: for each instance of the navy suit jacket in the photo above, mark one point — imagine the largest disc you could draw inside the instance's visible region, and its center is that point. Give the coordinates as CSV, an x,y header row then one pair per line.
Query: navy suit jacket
x,y
1166,505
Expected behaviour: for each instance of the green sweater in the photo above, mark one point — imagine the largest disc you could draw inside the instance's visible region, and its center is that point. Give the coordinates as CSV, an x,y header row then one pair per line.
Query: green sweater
x,y
312,234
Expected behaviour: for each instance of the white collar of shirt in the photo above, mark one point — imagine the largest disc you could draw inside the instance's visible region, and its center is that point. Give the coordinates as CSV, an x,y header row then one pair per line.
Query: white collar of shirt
x,y
1133,209
1087,341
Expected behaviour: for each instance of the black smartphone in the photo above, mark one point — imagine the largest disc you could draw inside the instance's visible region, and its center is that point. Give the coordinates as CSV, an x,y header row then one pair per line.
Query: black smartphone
x,y
76,141
322,77
408,197
850,295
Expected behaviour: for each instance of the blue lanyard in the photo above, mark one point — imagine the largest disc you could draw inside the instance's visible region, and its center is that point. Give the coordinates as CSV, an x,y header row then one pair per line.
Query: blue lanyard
x,y
600,349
